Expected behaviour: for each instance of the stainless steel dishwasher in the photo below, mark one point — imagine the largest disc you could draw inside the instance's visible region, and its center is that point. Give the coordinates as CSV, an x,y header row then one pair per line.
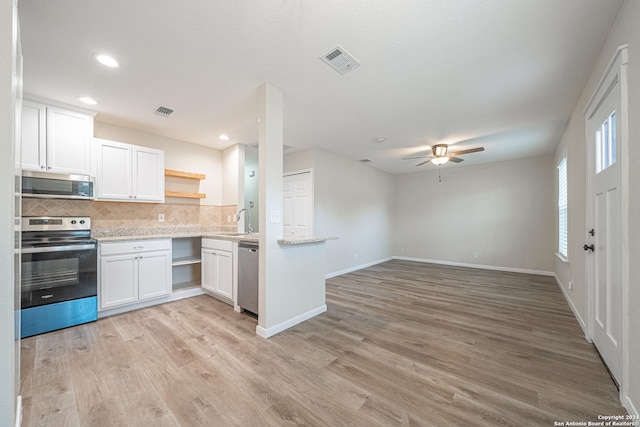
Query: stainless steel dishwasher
x,y
248,276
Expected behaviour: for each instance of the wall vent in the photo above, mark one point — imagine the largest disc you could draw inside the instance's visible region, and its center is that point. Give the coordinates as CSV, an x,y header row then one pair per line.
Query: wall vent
x,y
338,59
164,111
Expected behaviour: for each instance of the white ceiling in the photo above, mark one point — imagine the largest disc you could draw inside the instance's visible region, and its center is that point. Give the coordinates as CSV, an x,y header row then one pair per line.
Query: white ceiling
x,y
502,74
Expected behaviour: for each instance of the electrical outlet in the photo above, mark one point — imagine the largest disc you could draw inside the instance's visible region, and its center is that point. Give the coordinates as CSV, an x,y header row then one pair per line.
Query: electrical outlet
x,y
275,217
476,254
160,217
228,218
570,285
356,255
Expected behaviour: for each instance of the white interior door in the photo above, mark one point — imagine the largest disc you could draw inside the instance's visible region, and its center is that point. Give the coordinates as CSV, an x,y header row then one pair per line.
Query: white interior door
x,y
604,240
298,205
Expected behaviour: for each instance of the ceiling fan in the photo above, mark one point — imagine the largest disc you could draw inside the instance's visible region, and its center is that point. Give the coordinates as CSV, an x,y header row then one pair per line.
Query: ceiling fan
x,y
442,156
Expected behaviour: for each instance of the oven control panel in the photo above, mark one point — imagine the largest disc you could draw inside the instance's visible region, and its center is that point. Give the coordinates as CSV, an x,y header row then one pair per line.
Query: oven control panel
x,y
56,223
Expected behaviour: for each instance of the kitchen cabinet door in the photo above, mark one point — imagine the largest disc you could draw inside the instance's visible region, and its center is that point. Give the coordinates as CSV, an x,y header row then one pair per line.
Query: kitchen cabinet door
x,y
68,141
217,272
148,174
114,179
225,274
209,269
154,274
118,280
34,141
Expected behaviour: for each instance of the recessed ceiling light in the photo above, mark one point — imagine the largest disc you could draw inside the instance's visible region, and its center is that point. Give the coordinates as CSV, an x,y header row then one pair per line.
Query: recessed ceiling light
x,y
87,100
223,137
106,60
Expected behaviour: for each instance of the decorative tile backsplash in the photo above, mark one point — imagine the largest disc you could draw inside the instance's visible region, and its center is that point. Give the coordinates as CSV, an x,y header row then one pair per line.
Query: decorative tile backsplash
x,y
106,215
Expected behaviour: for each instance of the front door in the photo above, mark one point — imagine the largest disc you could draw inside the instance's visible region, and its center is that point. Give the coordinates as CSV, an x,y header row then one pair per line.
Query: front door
x,y
604,236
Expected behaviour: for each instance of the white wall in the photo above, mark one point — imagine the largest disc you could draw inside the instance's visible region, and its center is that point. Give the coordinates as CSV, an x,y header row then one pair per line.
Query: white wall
x,y
9,352
353,202
229,178
625,31
251,186
178,155
502,212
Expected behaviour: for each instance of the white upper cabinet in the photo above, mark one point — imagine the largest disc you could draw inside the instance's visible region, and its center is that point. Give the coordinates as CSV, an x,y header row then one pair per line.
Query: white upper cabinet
x,y
128,172
55,139
148,174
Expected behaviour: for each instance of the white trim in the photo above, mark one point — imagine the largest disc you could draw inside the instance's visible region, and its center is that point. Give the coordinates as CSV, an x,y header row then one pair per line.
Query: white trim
x,y
174,296
630,407
481,266
562,258
576,314
356,268
19,411
622,50
269,332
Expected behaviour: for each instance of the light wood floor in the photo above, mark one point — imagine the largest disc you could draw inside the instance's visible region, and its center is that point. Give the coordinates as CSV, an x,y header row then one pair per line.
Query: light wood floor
x,y
402,343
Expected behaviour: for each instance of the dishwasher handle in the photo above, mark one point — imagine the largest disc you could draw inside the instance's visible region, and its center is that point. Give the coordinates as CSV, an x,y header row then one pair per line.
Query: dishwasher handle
x,y
253,247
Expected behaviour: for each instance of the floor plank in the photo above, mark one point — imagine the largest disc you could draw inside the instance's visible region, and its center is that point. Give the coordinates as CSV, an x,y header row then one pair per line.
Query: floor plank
x,y
402,343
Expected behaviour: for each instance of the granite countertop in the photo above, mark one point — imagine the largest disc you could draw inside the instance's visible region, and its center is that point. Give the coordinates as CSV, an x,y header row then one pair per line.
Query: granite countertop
x,y
292,241
149,233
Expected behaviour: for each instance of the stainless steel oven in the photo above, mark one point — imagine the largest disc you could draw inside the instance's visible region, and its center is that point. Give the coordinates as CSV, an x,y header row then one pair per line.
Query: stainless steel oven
x,y
59,274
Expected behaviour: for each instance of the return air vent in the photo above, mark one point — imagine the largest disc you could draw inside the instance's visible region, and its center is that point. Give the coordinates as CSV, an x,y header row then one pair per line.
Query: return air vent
x,y
164,111
338,59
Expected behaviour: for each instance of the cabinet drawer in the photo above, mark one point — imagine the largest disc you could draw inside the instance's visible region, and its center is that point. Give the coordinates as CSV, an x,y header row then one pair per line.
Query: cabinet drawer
x,y
134,246
221,245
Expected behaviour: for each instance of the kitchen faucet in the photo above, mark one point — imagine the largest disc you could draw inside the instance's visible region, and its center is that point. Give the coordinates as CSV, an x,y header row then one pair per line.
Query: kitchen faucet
x,y
249,214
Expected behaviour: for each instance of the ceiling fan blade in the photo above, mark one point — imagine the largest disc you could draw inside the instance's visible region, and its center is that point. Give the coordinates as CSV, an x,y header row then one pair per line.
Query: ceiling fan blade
x,y
418,157
420,164
470,150
455,159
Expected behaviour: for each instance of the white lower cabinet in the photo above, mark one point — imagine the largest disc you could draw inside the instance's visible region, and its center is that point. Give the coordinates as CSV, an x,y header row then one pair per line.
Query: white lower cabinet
x,y
217,267
134,271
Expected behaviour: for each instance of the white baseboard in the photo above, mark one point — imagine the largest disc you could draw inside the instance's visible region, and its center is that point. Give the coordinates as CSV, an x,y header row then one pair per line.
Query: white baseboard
x,y
356,268
19,411
630,407
269,332
174,296
576,314
481,266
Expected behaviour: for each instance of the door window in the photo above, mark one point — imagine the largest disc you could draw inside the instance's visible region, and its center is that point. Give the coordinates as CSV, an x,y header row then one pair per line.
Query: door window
x,y
606,143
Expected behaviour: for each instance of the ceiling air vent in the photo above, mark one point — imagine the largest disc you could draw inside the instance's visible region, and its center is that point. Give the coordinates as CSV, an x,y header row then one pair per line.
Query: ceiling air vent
x,y
164,111
364,160
340,60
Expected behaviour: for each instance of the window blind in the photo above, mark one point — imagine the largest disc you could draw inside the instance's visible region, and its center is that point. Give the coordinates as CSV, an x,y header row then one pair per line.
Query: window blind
x,y
562,207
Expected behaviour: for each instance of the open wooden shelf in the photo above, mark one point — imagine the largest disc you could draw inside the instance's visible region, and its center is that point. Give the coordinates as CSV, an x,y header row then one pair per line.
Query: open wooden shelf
x,y
181,174
184,194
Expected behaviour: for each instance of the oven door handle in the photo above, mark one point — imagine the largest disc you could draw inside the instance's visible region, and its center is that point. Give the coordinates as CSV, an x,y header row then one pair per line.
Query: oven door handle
x,y
58,248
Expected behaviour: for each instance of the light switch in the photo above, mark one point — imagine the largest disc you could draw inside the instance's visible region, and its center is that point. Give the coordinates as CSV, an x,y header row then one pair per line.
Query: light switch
x,y
275,217
160,217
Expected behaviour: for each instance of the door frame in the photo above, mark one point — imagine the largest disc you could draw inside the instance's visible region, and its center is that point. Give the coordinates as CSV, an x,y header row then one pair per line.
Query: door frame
x,y
313,195
616,70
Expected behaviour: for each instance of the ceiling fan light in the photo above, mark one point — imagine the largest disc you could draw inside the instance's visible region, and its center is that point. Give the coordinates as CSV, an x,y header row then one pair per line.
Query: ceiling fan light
x,y
440,150
439,160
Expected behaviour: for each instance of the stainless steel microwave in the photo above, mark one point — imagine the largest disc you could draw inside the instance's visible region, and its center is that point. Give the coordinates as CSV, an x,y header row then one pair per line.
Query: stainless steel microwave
x,y
56,186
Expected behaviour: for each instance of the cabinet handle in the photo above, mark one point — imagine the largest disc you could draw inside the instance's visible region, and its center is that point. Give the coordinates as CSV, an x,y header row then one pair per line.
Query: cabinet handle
x,y
131,197
42,167
49,167
135,197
